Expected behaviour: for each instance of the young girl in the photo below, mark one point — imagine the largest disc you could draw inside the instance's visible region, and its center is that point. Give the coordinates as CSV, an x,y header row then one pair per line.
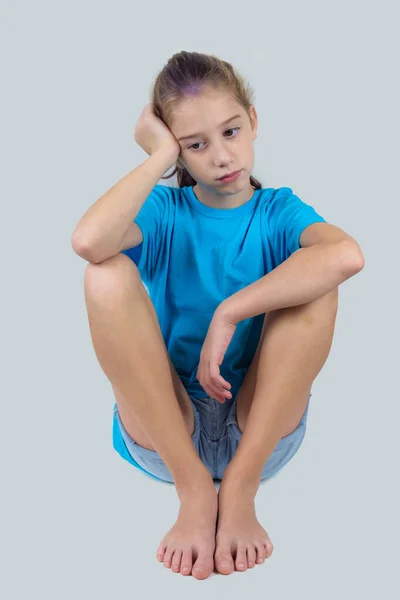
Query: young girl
x,y
212,367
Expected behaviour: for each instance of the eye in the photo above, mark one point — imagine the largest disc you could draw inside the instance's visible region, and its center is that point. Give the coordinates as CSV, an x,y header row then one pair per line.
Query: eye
x,y
191,147
232,129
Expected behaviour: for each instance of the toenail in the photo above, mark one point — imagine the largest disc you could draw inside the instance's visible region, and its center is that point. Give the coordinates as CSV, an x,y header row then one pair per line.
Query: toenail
x,y
226,564
241,565
251,564
186,569
167,564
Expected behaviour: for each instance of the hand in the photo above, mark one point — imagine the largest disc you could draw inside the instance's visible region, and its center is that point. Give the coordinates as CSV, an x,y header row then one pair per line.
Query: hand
x,y
152,134
218,338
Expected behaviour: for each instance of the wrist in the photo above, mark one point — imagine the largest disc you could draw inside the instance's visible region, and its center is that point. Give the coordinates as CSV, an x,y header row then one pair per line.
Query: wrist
x,y
165,157
225,312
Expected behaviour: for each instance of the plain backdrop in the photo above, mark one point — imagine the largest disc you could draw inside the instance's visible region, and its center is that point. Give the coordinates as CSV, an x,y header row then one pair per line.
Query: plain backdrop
x,y
77,521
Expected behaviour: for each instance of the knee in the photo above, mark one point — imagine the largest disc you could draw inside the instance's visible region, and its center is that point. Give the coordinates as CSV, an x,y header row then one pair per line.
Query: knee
x,y
111,277
326,307
332,299
319,310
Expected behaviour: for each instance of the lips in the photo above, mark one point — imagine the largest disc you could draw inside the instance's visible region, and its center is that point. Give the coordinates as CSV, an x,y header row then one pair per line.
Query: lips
x,y
228,175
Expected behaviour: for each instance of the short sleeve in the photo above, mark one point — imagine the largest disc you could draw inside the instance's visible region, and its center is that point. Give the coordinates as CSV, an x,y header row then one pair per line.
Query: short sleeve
x,y
287,217
152,219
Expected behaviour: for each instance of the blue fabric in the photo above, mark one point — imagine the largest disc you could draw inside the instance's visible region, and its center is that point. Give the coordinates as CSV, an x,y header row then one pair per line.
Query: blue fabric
x,y
216,437
193,257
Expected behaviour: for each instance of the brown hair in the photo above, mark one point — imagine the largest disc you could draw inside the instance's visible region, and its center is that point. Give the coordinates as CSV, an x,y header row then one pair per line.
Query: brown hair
x,y
187,73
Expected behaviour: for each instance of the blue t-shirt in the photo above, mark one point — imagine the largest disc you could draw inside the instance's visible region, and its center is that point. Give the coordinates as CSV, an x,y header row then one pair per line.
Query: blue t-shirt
x,y
194,256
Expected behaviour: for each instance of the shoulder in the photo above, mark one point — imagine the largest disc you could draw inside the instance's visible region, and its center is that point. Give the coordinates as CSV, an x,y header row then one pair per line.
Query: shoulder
x,y
161,200
275,195
161,191
169,194
276,201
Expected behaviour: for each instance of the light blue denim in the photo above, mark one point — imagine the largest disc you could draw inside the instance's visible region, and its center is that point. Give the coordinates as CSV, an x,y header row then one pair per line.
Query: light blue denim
x,y
216,437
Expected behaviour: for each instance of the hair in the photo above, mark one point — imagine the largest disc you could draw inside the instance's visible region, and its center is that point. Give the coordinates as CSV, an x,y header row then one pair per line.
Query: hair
x,y
187,74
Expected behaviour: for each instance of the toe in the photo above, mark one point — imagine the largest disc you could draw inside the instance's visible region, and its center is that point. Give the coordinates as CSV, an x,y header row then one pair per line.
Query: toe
x,y
160,553
241,558
176,561
168,557
268,548
260,553
251,556
186,563
223,560
203,566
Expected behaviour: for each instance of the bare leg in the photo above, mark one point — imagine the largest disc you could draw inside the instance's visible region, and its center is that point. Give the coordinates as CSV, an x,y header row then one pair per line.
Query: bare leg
x,y
293,348
131,423
152,402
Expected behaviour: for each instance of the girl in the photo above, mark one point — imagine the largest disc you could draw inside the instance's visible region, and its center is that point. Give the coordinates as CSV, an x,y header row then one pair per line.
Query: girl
x,y
212,367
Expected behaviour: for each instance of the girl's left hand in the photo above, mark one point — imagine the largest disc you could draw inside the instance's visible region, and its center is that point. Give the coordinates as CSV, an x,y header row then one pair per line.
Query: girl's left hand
x,y
218,338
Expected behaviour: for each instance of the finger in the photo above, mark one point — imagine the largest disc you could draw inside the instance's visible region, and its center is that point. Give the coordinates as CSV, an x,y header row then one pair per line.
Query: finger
x,y
222,382
219,393
215,392
210,390
219,399
218,379
222,392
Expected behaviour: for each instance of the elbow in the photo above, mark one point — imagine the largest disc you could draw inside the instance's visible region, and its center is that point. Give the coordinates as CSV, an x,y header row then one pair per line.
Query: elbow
x,y
361,262
82,248
353,257
359,259
87,251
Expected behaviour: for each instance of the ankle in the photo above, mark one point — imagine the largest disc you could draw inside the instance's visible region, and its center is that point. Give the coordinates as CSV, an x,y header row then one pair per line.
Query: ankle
x,y
239,488
195,483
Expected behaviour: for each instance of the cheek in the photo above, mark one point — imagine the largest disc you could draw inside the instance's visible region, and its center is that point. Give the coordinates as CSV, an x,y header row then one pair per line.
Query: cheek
x,y
249,152
192,162
183,162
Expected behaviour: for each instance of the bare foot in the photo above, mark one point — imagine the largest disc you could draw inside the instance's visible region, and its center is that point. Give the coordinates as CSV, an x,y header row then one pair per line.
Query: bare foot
x,y
241,542
192,538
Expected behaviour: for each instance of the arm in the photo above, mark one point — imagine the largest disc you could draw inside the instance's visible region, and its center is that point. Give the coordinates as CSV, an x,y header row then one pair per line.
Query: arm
x,y
329,258
307,274
102,229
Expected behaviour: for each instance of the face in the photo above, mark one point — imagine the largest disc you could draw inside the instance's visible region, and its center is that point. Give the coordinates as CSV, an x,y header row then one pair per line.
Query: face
x,y
216,146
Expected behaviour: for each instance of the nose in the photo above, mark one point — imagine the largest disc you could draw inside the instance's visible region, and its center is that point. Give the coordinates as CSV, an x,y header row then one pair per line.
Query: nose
x,y
220,154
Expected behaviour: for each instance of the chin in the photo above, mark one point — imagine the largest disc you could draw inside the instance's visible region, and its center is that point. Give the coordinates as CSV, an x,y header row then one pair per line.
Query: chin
x,y
236,186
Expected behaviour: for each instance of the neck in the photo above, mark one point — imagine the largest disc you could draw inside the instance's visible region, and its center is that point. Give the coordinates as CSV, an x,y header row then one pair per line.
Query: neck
x,y
211,198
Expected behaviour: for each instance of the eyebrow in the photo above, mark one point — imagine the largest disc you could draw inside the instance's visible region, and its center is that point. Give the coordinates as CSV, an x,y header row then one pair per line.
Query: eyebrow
x,y
187,137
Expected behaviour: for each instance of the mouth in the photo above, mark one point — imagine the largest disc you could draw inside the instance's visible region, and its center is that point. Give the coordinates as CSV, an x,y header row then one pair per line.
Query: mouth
x,y
228,175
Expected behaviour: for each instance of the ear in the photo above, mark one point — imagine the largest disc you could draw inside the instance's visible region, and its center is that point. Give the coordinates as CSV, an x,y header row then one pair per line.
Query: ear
x,y
254,121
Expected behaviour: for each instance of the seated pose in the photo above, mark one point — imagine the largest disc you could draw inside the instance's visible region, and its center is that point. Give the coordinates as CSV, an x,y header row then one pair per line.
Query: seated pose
x,y
211,308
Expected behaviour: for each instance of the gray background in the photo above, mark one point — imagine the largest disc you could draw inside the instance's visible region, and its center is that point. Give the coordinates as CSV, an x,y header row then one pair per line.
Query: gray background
x,y
77,520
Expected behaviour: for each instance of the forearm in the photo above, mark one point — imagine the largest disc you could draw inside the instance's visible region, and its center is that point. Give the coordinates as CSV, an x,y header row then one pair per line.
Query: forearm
x,y
104,225
305,276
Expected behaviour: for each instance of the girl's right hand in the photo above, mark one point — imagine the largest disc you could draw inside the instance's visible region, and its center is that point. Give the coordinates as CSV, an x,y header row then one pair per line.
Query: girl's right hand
x,y
153,135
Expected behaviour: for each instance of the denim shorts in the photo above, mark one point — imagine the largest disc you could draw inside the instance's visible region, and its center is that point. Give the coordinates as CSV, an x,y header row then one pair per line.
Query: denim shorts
x,y
216,437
